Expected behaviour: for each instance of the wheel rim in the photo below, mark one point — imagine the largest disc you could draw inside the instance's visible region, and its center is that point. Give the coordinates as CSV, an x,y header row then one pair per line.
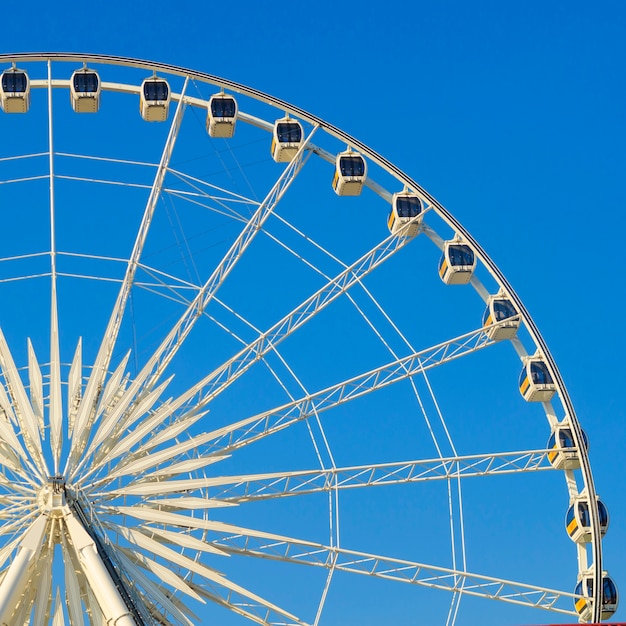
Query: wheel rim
x,y
124,518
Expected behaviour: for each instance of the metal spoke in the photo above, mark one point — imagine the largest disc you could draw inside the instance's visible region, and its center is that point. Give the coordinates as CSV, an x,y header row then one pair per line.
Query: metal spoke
x,y
87,408
56,409
400,570
217,381
249,488
177,335
258,426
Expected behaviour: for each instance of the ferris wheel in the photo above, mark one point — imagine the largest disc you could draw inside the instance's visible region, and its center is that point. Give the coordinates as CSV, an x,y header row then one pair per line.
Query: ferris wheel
x,y
253,372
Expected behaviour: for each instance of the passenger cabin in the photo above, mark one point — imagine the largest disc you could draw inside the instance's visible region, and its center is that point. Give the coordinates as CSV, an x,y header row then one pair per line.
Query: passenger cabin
x,y
350,173
457,263
535,382
154,99
286,139
501,319
563,454
577,521
221,115
584,604
85,91
14,91
405,208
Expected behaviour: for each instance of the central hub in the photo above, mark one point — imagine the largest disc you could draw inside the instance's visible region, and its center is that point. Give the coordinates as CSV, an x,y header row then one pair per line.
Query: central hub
x,y
51,498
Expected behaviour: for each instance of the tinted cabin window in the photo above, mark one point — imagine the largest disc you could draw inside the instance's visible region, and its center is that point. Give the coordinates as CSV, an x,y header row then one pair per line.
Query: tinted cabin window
x,y
565,438
609,592
289,132
603,514
155,90
585,440
223,107
407,206
86,82
540,374
14,82
352,166
583,514
503,309
567,441
460,255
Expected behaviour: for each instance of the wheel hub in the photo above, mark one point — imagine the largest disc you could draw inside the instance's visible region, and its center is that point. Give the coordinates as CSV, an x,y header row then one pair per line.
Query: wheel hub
x,y
51,497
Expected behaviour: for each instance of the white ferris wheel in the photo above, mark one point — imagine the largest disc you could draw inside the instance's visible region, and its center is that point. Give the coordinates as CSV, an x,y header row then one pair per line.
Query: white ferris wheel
x,y
250,371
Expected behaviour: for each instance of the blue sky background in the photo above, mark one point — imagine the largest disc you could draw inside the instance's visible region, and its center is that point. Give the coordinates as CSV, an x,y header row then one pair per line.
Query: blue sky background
x,y
510,114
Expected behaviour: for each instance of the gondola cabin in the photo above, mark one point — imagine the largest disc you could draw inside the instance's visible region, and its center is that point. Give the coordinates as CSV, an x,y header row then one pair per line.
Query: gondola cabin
x,y
535,382
14,91
578,524
286,139
221,115
500,320
584,604
85,91
154,99
457,263
350,174
563,454
406,208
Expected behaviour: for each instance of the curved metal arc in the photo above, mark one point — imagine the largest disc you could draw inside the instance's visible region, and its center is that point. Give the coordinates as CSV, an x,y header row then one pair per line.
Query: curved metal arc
x,y
389,373
215,382
258,426
159,360
491,267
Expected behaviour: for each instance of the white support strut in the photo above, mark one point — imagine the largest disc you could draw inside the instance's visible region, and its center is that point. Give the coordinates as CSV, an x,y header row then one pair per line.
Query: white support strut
x,y
86,410
109,599
15,581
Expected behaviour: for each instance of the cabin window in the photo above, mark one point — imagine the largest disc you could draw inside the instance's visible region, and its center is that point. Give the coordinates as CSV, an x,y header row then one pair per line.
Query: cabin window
x,y
86,82
603,514
408,206
352,166
565,438
460,255
155,90
503,309
289,132
583,514
609,592
14,82
223,107
539,373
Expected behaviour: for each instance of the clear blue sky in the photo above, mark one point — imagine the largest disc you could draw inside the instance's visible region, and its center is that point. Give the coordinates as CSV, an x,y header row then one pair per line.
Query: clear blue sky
x,y
510,114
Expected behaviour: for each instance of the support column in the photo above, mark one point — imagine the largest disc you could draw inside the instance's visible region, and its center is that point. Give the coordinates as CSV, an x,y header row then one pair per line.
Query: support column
x,y
14,583
111,603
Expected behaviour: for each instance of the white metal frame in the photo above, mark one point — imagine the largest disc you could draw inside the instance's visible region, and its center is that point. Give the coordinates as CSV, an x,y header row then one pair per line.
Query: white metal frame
x,y
127,585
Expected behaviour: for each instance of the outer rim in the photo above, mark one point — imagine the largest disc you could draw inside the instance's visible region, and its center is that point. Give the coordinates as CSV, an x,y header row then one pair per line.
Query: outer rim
x,y
441,210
